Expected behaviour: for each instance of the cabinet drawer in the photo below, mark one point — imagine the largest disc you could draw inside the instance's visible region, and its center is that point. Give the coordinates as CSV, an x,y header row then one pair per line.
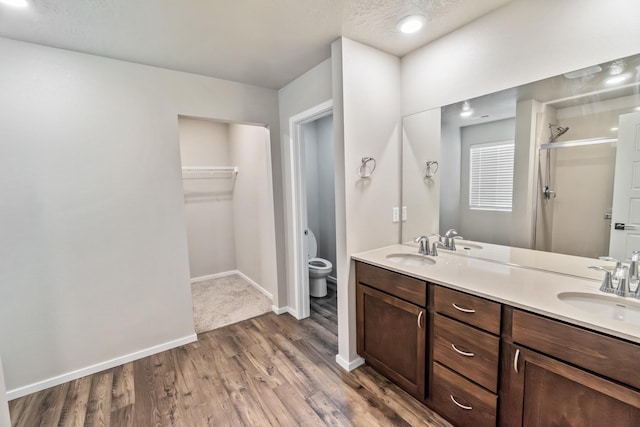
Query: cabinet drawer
x,y
468,309
461,401
404,287
467,350
604,355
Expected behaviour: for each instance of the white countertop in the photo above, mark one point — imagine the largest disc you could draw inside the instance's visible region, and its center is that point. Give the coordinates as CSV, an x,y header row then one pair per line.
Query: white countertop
x,y
531,289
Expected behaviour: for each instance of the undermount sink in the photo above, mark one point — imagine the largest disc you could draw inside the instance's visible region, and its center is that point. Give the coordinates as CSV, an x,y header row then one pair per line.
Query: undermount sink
x,y
411,259
604,306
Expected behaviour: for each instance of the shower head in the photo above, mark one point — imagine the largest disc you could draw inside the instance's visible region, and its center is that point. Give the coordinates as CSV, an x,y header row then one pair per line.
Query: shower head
x,y
556,131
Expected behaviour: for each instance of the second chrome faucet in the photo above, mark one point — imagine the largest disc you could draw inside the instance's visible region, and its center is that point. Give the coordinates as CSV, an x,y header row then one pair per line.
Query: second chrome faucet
x,y
447,242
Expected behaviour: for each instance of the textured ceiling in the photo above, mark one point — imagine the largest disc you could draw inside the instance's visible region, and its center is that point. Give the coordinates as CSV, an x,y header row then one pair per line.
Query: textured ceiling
x,y
263,42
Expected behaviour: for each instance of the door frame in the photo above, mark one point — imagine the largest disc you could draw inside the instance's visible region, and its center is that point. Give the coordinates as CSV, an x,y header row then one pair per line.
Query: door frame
x,y
296,218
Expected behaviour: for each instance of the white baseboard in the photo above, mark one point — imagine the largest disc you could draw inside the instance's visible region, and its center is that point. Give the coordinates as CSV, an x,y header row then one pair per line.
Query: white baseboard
x,y
231,273
213,276
280,310
70,376
283,310
349,366
255,285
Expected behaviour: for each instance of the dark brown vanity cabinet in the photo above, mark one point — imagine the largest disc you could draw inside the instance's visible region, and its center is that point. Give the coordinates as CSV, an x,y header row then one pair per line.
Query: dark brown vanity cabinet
x,y
554,374
392,325
466,350
480,363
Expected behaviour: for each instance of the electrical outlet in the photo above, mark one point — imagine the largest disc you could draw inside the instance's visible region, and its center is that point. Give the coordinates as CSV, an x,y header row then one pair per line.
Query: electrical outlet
x,y
396,214
404,213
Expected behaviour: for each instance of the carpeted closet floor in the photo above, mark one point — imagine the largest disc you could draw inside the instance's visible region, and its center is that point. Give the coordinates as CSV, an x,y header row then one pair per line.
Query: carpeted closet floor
x,y
226,300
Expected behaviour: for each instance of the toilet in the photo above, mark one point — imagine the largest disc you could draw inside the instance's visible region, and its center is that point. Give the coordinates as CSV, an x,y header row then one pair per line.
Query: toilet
x,y
319,268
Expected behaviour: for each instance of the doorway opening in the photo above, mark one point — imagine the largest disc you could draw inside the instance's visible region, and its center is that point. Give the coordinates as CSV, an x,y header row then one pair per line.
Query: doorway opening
x,y
228,200
319,182
304,130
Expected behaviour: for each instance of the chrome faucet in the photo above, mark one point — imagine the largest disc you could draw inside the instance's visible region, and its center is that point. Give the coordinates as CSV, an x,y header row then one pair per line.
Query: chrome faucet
x,y
619,278
423,249
449,240
607,286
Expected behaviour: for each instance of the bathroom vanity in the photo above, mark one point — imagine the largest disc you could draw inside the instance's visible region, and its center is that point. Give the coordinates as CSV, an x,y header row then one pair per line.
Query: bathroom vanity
x,y
485,343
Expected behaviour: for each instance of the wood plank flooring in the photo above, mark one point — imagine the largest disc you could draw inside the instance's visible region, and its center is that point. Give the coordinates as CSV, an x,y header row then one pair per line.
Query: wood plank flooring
x,y
267,371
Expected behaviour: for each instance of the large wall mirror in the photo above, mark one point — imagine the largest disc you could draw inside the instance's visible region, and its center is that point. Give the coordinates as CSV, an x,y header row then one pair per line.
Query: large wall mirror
x,y
553,165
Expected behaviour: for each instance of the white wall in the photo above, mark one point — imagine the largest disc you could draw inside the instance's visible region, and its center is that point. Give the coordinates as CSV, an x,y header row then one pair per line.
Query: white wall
x,y
521,42
326,192
208,203
366,123
93,253
253,221
307,91
310,144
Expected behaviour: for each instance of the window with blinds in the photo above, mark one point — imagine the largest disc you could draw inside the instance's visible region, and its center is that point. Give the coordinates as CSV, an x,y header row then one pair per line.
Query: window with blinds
x,y
491,176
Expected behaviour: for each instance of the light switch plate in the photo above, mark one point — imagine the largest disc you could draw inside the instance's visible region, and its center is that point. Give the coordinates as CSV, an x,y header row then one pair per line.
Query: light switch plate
x,y
396,214
404,213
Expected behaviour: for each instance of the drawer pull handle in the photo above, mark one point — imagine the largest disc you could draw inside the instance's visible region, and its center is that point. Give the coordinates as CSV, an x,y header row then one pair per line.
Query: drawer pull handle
x,y
464,353
464,310
420,320
515,360
460,405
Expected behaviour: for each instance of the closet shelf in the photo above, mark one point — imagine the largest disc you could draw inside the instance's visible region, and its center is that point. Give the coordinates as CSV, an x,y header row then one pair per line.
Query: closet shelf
x,y
203,172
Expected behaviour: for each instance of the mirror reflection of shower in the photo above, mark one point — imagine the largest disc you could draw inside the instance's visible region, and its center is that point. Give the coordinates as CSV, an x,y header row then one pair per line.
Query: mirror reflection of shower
x,y
547,192
556,131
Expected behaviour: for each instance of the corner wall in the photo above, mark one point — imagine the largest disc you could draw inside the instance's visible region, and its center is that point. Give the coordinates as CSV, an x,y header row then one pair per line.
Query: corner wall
x,y
93,252
366,123
309,90
253,222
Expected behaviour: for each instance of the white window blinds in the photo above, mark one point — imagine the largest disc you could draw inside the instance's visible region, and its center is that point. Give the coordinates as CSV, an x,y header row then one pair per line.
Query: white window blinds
x,y
491,176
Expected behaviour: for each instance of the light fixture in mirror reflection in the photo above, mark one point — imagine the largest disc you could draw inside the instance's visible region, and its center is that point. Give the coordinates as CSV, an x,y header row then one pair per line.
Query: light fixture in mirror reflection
x,y
567,131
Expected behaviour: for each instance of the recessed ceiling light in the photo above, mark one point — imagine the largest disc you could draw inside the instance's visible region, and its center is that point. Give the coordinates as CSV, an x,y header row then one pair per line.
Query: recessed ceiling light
x,y
583,72
467,111
614,129
15,3
637,108
411,24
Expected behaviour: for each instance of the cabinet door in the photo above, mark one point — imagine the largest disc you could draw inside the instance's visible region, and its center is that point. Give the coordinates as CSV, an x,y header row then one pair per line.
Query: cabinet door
x,y
392,338
540,391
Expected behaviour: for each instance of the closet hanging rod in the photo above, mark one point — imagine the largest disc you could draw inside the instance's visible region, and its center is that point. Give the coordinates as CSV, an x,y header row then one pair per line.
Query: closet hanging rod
x,y
578,142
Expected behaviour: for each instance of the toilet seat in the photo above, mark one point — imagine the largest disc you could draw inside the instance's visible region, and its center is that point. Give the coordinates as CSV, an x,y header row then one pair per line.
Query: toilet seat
x,y
318,268
319,264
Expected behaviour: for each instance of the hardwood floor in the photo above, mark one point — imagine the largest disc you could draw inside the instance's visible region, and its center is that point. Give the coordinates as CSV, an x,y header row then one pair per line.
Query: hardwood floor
x,y
267,371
